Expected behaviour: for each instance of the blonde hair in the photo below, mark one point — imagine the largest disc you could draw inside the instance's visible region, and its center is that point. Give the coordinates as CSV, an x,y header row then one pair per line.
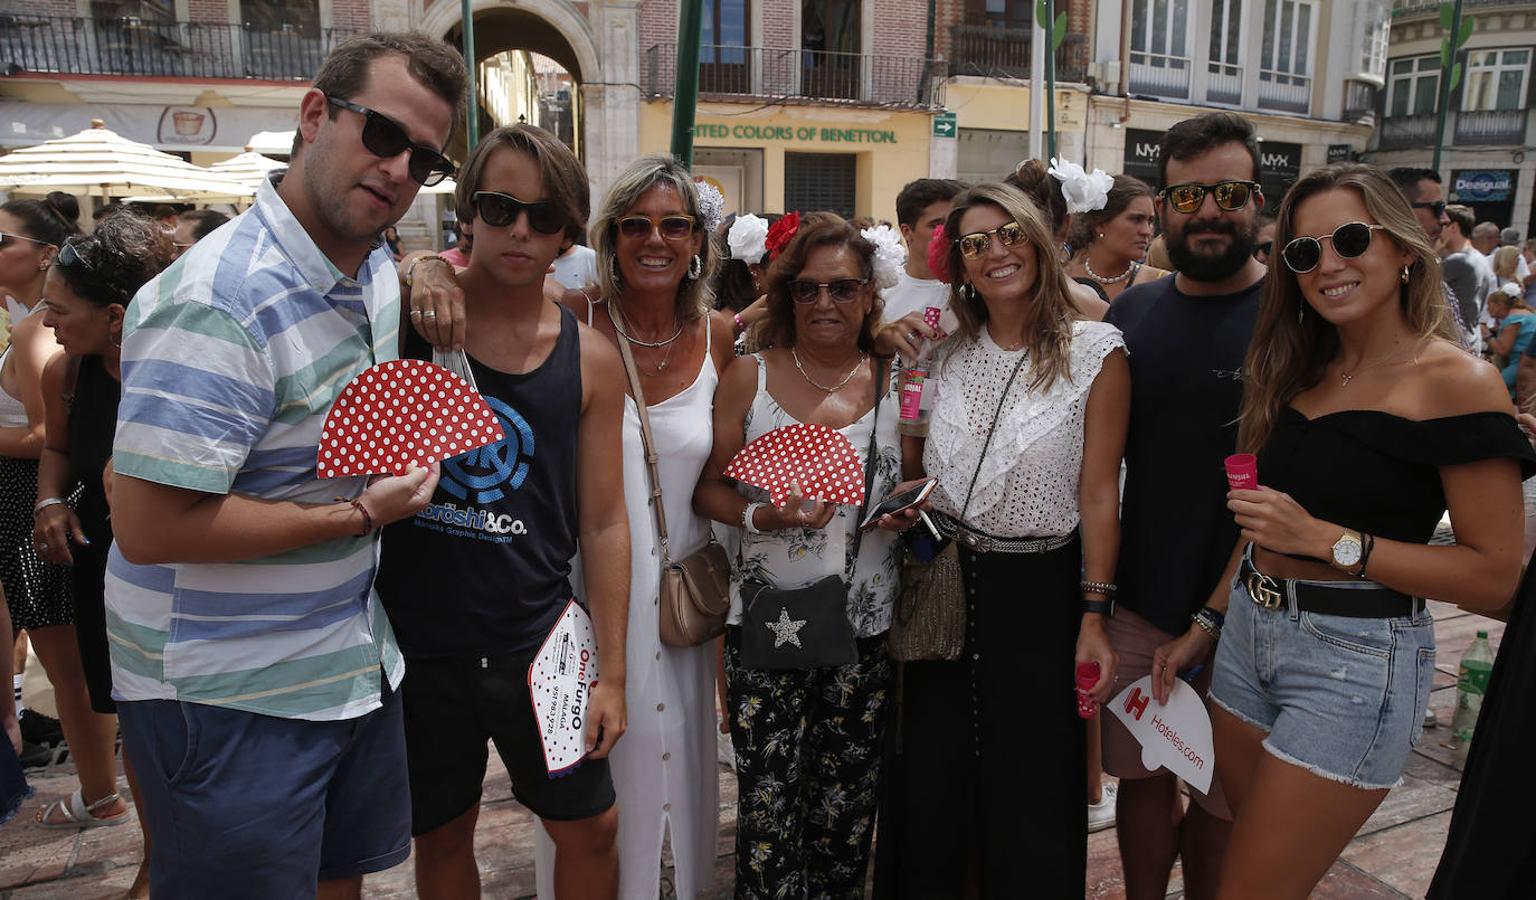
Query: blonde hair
x,y
695,296
1289,353
1506,261
1050,311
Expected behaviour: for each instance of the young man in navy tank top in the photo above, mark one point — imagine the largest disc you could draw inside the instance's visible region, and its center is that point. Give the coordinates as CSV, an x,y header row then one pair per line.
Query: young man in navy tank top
x,y
474,582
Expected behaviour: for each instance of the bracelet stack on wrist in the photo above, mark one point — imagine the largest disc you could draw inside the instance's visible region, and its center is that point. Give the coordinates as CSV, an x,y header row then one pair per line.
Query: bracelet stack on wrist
x,y
410,270
1210,620
357,504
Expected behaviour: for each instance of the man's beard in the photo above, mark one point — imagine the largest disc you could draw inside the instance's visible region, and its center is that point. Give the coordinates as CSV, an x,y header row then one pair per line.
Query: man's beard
x,y
1212,268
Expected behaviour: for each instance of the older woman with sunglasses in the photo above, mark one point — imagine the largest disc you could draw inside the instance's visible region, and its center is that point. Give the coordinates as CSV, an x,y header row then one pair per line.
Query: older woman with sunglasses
x,y
90,286
1028,429
809,692
1368,421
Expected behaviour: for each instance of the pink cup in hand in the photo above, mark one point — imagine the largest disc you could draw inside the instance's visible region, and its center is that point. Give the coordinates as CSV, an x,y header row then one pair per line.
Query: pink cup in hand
x,y
1087,677
1243,472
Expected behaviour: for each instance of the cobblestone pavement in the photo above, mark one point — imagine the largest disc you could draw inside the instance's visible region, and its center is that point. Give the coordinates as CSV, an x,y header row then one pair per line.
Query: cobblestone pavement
x,y
1393,856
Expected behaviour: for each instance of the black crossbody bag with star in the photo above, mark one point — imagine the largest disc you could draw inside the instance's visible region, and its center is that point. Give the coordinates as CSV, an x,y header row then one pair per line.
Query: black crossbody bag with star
x,y
807,627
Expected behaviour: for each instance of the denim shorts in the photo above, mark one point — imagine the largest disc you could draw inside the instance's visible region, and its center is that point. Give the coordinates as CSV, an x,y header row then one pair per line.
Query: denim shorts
x,y
1341,697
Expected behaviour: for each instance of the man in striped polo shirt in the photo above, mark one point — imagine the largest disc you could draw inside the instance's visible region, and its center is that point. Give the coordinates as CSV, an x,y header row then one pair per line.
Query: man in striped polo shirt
x,y
255,670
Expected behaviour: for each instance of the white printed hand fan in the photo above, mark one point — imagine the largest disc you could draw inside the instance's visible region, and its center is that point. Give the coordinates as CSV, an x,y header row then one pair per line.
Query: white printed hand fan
x,y
560,680
823,462
399,414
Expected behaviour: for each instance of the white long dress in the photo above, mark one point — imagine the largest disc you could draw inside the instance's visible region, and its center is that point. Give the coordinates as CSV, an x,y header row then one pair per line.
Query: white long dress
x,y
664,768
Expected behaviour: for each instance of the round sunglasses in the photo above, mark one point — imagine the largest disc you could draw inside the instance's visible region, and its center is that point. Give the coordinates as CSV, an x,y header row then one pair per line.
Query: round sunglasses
x,y
386,139
1349,240
673,228
841,290
500,210
973,245
1230,195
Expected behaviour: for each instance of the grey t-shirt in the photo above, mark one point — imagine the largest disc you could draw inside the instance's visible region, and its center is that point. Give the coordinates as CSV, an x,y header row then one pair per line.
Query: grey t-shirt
x,y
1468,274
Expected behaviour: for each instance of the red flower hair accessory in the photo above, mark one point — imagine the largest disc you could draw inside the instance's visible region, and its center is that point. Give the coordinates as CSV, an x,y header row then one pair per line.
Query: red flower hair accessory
x,y
938,255
781,233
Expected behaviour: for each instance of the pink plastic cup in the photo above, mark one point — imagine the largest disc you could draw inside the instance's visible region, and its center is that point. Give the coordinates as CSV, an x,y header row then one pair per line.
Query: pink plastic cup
x,y
1243,472
1087,677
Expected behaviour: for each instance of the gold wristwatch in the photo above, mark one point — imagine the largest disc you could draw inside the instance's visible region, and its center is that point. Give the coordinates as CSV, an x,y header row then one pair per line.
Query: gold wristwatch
x,y
1347,551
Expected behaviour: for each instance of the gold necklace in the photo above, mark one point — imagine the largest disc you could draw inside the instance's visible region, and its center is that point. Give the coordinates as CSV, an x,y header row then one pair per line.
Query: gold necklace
x,y
1346,377
821,387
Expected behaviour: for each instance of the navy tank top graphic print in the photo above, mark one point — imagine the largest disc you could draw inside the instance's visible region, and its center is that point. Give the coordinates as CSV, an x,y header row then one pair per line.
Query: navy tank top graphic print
x,y
485,567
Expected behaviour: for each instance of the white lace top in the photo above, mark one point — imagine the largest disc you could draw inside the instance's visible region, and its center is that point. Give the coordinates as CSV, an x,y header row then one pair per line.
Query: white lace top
x,y
1027,483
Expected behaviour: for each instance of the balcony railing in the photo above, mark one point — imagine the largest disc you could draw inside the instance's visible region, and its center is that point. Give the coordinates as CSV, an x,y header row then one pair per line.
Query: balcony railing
x,y
1284,91
1002,52
131,46
1160,75
1502,127
1403,132
862,79
1224,84
1426,7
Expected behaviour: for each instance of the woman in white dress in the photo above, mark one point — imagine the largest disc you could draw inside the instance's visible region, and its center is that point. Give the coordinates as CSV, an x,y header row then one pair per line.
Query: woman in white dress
x,y
655,263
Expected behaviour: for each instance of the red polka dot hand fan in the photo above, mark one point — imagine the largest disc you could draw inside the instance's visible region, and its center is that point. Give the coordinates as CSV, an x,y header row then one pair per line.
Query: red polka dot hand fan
x,y
823,462
403,413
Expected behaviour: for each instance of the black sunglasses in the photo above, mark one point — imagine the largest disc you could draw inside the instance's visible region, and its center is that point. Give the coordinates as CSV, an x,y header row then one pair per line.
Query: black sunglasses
x,y
841,290
8,236
386,139
1230,195
500,210
1436,206
1350,240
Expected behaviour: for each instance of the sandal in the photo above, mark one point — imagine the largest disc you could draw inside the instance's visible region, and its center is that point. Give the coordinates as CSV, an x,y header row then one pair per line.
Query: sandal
x,y
77,814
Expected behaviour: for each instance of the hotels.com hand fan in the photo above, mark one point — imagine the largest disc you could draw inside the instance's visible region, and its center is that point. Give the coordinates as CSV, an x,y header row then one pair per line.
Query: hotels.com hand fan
x,y
823,462
1176,737
560,680
403,413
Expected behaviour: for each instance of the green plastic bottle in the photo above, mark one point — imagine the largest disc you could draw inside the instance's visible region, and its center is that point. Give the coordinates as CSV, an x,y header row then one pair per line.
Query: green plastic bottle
x,y
1471,685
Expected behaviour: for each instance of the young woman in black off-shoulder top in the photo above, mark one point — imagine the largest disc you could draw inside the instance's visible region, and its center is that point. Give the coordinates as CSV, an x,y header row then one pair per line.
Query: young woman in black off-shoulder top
x,y
1369,422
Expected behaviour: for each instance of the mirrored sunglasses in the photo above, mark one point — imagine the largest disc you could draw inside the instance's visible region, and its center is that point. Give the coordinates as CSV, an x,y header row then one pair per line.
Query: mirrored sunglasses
x,y
1230,195
976,243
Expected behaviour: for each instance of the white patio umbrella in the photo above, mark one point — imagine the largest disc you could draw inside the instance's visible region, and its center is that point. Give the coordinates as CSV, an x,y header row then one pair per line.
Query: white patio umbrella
x,y
101,163
249,168
271,142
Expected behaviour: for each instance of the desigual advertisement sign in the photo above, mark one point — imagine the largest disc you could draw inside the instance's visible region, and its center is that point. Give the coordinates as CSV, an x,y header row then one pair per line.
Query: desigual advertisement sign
x,y
1483,184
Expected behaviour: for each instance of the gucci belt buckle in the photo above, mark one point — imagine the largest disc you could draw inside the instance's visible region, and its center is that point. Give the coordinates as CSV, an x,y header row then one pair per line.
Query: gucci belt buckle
x,y
1265,591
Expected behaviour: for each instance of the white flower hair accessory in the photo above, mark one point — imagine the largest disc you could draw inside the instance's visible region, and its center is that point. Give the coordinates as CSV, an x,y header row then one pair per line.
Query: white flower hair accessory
x,y
748,238
711,205
890,254
1084,192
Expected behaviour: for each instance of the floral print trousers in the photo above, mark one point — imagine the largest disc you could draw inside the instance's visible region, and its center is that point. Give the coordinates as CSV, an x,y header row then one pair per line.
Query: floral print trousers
x,y
808,747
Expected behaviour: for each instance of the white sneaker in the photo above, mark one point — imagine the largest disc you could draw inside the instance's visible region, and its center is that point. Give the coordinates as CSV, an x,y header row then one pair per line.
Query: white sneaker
x,y
1429,718
1101,815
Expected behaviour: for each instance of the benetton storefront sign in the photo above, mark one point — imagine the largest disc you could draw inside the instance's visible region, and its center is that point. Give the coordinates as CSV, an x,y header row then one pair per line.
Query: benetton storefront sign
x,y
754,131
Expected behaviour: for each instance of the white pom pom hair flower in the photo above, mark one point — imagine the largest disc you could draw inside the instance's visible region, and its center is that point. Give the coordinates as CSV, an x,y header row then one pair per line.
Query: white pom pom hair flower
x,y
1083,191
711,205
890,254
748,238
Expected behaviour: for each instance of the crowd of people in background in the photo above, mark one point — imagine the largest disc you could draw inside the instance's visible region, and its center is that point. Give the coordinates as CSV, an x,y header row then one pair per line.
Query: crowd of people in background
x,y
306,674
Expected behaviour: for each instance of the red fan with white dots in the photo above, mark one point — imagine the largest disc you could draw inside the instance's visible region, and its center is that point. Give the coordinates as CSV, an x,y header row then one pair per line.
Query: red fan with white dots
x,y
403,413
822,461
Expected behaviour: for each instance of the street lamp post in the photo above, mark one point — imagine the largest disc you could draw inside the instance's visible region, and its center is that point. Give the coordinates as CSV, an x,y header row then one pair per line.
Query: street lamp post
x,y
685,95
472,113
1450,69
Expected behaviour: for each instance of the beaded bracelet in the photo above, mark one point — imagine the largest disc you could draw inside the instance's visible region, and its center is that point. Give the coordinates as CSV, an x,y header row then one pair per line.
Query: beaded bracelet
x,y
1097,587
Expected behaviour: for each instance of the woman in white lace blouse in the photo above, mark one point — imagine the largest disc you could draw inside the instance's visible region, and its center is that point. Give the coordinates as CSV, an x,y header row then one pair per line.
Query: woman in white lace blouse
x,y
988,782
